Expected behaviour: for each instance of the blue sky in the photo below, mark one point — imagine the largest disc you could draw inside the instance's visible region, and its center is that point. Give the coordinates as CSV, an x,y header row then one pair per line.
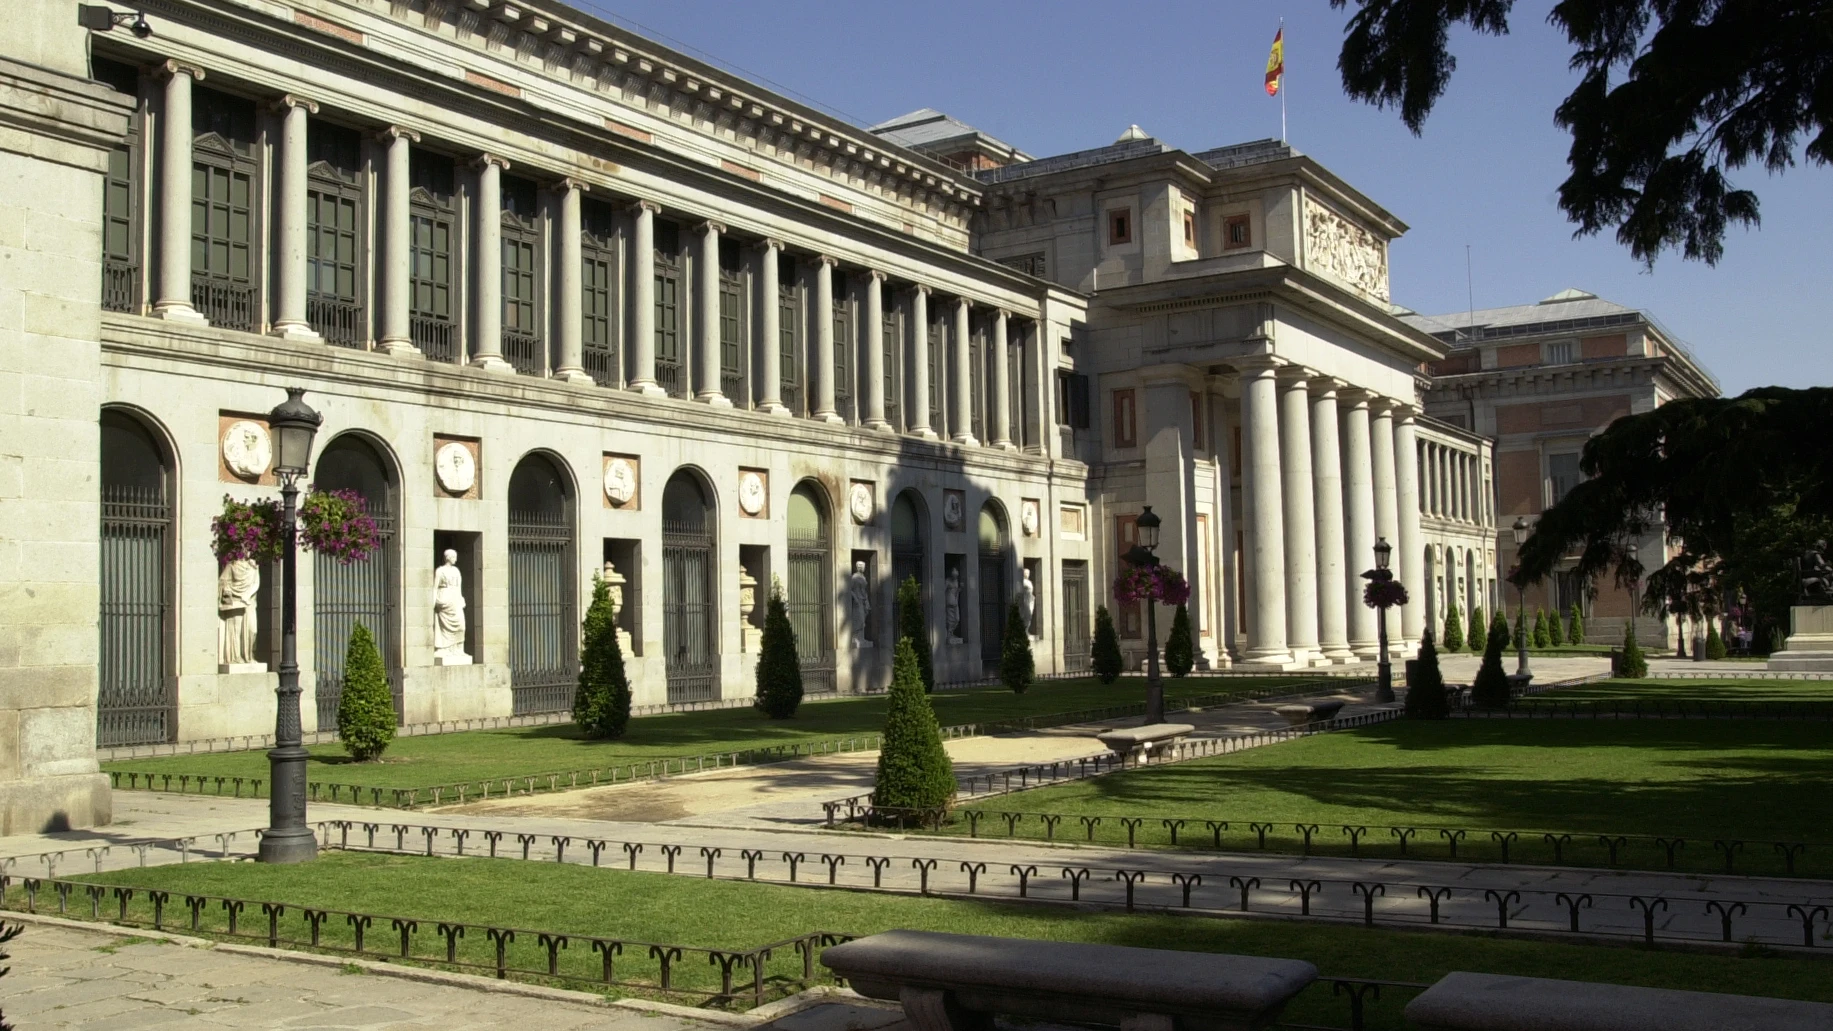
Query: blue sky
x,y
1051,77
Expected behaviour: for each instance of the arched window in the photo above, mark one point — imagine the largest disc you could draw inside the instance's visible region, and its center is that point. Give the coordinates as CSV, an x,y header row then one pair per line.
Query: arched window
x,y
992,585
135,704
689,605
810,593
908,527
360,592
543,627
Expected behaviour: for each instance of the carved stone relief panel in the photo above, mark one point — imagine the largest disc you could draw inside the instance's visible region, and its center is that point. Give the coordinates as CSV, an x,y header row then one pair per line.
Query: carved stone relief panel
x,y
1344,251
457,467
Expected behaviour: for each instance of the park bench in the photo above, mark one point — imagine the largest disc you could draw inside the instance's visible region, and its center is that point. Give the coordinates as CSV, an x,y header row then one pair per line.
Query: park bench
x,y
959,982
1145,742
1493,1002
1298,714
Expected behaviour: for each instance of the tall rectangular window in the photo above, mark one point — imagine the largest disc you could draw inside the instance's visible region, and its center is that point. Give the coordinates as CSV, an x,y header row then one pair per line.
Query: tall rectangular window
x,y
1126,432
732,324
432,212
523,346
1197,422
938,343
1562,475
222,209
1130,615
598,299
669,373
120,269
1237,232
789,334
843,351
894,367
334,219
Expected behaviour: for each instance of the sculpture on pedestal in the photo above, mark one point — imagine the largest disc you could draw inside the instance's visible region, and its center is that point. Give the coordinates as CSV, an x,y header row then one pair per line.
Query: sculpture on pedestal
x,y
859,604
616,581
236,587
951,605
747,611
449,613
1027,603
1815,574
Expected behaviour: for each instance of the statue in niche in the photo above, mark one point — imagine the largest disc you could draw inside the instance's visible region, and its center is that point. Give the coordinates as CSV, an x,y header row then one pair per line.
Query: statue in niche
x,y
616,582
237,584
1027,603
859,604
951,605
750,634
449,613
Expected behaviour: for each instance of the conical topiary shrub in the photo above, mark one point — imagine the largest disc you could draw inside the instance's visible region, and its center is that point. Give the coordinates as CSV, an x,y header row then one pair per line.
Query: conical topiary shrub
x,y
1106,657
1454,629
913,627
601,703
1542,638
779,670
1556,634
915,776
1575,626
1479,631
1635,665
1491,690
1522,631
1180,653
1498,628
366,710
1426,698
1715,644
1016,667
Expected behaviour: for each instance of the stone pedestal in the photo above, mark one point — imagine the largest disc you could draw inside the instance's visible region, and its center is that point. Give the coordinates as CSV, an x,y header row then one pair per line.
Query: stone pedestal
x,y
1809,648
470,692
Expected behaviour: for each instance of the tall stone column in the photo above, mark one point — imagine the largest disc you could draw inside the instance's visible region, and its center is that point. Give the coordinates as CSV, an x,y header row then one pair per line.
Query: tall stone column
x,y
1327,486
1359,550
1300,513
643,300
918,418
770,327
706,322
962,367
1001,402
569,323
874,362
290,224
397,270
175,135
822,381
487,258
1387,513
1262,505
1410,551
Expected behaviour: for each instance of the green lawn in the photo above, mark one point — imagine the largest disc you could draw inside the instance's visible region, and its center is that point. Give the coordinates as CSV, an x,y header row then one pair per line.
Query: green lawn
x,y
1759,781
441,759
1729,688
655,907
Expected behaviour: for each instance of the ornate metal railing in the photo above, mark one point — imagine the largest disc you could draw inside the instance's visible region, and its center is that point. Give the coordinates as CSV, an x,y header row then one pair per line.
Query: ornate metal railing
x,y
732,384
524,352
436,338
601,364
669,377
120,286
340,322
226,303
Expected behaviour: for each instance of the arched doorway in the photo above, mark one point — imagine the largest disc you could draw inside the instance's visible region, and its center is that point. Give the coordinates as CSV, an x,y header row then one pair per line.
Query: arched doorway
x,y
543,626
689,607
810,593
360,592
909,529
992,584
135,703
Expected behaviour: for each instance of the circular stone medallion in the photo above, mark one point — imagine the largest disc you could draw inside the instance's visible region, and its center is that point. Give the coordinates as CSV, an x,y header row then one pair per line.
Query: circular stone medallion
x,y
620,481
860,501
750,493
455,468
247,449
951,511
1027,518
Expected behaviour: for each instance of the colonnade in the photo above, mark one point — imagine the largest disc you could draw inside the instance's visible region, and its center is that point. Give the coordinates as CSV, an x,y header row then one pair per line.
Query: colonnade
x,y
1452,484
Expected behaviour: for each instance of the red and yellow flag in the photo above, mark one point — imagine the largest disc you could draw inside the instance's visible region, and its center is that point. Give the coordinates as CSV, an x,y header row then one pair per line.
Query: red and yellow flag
x,y
1276,62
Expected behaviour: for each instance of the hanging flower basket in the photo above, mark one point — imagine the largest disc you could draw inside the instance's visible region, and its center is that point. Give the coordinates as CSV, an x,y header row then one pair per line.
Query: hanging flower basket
x,y
337,523
1384,594
247,530
1162,583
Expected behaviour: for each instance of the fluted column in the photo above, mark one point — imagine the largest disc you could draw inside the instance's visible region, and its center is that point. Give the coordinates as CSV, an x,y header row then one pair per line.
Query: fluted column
x,y
568,324
962,367
397,238
1359,549
770,327
874,363
706,319
175,135
1300,514
1000,404
487,257
918,408
1262,505
643,299
1409,553
290,223
823,324
1327,488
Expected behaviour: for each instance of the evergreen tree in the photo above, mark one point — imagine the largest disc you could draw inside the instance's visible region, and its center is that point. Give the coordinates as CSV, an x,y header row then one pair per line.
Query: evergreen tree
x,y
1491,689
779,670
1016,667
1715,644
1521,631
366,710
1426,698
7,934
1106,658
1575,626
914,771
1479,631
1454,629
915,628
1498,628
1556,634
1635,665
601,703
1543,638
1180,653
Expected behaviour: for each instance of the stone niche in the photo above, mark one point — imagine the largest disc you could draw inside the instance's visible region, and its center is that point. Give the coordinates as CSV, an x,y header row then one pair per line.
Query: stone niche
x,y
753,595
470,565
623,570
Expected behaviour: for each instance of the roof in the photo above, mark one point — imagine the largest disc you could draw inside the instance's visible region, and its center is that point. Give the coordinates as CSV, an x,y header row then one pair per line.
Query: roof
x,y
1134,143
926,128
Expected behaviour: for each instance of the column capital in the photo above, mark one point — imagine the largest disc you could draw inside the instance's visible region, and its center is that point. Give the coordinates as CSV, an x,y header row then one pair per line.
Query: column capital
x,y
487,158
1002,314
637,207
921,288
1354,397
1379,404
964,303
1327,385
712,225
876,276
288,101
176,67
768,244
1296,375
567,184
1404,412
398,132
827,259
1259,364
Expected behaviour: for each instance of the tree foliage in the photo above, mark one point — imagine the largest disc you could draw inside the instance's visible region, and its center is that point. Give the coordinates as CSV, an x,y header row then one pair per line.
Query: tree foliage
x,y
1490,690
1556,633
1715,644
914,771
1479,631
1543,635
1017,669
915,629
366,709
1634,665
779,669
7,933
1575,625
601,702
1498,631
1672,95
1180,651
1454,628
1106,658
1426,698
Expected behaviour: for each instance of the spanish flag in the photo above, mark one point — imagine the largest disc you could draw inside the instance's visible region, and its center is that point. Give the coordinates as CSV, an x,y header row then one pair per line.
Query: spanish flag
x,y
1276,62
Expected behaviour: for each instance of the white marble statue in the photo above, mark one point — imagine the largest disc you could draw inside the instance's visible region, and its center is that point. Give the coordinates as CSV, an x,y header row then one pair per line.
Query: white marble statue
x,y
951,605
1027,602
859,604
236,611
449,613
751,635
617,581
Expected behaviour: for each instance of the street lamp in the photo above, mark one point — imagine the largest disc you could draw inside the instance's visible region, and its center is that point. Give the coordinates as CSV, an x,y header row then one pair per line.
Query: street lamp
x,y
1143,554
1522,673
1635,583
1384,681
287,838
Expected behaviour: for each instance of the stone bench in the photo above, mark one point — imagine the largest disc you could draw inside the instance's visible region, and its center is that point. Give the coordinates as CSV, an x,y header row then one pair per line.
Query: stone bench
x,y
959,982
1494,1002
1298,714
1144,742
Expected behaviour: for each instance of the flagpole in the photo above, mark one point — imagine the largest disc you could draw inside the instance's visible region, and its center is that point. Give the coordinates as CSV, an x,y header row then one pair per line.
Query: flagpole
x,y
1282,81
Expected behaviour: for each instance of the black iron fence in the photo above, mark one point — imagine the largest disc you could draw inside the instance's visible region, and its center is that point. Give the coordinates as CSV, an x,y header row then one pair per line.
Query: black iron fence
x,y
1654,709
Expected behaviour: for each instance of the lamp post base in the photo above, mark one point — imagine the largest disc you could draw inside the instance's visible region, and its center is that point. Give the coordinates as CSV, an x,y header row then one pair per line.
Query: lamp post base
x,y
293,845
